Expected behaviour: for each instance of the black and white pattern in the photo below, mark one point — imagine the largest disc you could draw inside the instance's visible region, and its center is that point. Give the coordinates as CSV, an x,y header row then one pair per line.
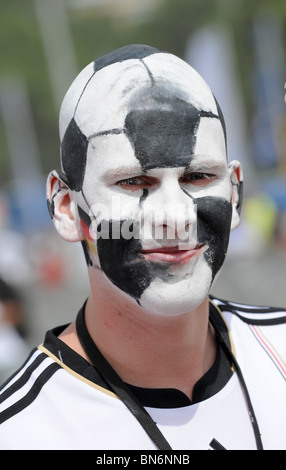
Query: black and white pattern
x,y
26,384
142,107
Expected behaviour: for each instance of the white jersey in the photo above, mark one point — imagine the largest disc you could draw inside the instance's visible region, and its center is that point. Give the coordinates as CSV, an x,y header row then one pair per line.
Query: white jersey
x,y
57,400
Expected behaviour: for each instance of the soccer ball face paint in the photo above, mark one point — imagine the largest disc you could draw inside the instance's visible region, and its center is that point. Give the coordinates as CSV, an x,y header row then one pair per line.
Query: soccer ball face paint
x,y
144,152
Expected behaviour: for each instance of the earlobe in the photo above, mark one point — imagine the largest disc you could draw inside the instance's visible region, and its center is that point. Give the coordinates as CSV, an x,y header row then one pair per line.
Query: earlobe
x,y
62,208
236,179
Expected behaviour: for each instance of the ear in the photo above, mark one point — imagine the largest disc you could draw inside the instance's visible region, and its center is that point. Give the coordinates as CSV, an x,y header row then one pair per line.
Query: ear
x,y
236,179
62,207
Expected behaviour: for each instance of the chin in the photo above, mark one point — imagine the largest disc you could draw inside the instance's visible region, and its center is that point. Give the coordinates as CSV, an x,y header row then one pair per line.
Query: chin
x,y
170,300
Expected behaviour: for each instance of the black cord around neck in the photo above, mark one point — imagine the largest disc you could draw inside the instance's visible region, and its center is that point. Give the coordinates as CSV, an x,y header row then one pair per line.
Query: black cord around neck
x,y
118,386
122,390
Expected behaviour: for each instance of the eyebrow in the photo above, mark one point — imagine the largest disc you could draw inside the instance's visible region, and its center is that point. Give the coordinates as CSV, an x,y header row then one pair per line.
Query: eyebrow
x,y
123,172
106,132
205,166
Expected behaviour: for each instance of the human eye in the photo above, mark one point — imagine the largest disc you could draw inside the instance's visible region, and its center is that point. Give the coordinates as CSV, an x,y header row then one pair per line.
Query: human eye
x,y
129,182
198,178
136,183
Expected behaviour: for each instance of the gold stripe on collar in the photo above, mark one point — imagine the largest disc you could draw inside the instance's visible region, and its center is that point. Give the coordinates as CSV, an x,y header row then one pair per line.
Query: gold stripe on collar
x,y
42,348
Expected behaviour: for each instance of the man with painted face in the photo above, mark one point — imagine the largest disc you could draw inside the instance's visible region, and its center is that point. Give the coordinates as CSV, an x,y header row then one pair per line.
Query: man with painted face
x,y
152,361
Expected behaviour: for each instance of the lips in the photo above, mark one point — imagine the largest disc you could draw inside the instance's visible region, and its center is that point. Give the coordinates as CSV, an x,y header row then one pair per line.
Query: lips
x,y
172,254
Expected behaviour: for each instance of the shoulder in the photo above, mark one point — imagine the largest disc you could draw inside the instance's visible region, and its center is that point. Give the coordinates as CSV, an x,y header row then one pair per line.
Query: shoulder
x,y
256,330
20,390
251,314
258,336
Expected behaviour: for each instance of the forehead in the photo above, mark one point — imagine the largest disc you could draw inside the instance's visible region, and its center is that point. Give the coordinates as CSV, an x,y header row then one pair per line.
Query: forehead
x,y
114,156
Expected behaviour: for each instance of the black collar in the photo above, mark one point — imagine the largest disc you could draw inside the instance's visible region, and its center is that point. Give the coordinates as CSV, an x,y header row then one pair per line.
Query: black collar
x,y
211,383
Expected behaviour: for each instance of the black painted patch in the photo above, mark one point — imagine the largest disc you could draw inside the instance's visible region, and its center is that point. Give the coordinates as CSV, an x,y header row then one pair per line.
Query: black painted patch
x,y
51,208
84,216
122,263
240,197
87,221
163,134
74,152
213,229
135,51
143,197
86,253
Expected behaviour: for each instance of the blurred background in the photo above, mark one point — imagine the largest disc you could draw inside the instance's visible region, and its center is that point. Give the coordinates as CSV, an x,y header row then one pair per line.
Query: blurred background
x,y
237,46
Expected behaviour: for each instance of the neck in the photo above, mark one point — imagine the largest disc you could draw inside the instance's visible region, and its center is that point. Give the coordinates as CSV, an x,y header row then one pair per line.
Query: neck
x,y
148,350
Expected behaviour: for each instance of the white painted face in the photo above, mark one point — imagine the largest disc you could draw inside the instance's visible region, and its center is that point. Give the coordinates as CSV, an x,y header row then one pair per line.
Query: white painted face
x,y
154,190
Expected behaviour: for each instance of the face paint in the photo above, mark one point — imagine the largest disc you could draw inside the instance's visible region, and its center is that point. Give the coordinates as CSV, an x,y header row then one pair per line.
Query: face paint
x,y
163,138
162,135
129,272
74,150
167,128
162,128
133,274
214,219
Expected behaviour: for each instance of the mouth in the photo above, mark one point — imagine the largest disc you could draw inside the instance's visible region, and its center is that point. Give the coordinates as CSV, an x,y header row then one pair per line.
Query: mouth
x,y
172,254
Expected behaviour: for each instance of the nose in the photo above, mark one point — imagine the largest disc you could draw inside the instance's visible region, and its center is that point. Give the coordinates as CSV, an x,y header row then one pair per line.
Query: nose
x,y
170,213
